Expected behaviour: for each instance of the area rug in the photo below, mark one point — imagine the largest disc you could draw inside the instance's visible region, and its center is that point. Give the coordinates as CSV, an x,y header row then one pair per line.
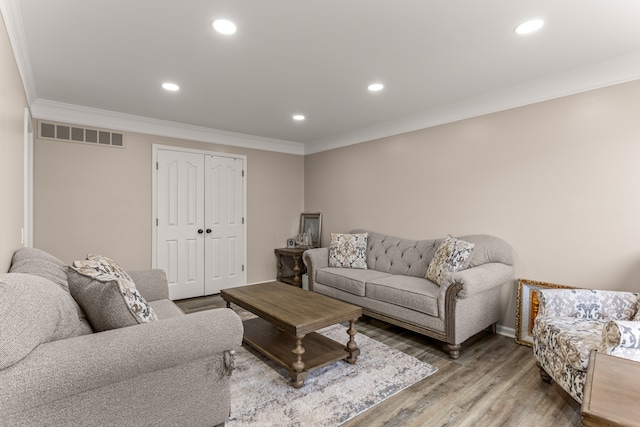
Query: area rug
x,y
261,394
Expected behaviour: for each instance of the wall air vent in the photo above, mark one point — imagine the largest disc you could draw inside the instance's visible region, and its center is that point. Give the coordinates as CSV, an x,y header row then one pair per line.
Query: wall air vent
x,y
80,134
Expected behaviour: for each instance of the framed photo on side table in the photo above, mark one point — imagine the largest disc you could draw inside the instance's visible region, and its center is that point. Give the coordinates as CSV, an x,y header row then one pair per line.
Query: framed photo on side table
x,y
527,307
311,223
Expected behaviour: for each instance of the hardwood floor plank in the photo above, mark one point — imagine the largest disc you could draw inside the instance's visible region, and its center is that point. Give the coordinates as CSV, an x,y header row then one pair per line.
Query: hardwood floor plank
x,y
495,382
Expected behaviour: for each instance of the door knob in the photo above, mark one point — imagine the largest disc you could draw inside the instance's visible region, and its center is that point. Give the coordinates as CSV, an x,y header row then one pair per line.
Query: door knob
x,y
200,231
208,230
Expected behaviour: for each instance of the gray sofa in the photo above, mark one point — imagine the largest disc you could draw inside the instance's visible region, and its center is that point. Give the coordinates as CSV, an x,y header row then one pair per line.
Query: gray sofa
x,y
54,370
394,287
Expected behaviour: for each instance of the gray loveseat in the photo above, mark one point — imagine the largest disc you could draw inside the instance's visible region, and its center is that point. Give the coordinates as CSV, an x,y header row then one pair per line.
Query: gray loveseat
x,y
394,288
54,370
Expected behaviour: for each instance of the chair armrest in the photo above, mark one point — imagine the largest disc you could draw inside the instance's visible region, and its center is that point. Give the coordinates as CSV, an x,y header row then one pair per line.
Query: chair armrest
x,y
152,284
587,304
64,368
314,259
479,279
621,338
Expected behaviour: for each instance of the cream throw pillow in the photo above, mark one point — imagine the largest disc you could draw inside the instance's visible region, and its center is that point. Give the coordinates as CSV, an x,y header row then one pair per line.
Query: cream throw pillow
x,y
348,250
451,256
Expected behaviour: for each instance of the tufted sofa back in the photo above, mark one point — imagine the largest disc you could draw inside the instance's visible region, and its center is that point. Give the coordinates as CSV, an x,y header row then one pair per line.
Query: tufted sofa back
x,y
395,255
408,257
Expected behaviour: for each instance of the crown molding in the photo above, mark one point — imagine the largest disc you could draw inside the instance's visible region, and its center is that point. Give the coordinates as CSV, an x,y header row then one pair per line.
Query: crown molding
x,y
68,113
74,114
13,22
616,70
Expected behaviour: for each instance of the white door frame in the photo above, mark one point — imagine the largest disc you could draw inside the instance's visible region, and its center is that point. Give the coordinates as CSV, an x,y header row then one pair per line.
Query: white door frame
x,y
154,187
27,223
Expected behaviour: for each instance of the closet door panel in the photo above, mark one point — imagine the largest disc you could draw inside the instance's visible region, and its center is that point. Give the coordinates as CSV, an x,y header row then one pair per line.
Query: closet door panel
x,y
180,217
225,227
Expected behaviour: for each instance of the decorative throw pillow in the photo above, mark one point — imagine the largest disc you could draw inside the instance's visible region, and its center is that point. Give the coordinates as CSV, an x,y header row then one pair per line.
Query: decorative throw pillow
x,y
348,250
107,294
450,256
33,311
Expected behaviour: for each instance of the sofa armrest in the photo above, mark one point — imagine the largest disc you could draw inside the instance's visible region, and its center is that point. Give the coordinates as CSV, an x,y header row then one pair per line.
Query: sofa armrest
x,y
314,259
63,368
480,279
621,338
152,284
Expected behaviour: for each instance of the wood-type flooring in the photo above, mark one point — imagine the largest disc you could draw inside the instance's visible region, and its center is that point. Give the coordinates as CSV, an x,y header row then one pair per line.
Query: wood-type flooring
x,y
495,382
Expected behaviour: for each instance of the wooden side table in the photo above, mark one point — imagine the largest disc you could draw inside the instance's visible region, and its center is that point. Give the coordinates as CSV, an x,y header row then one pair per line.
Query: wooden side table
x,y
298,266
611,392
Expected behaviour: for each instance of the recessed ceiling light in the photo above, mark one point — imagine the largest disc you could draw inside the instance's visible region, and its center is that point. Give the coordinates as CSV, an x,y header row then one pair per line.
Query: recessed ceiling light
x,y
298,117
170,86
224,26
375,87
529,26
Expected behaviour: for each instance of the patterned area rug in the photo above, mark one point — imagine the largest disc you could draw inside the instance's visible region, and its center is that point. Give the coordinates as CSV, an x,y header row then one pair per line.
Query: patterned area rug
x,y
330,396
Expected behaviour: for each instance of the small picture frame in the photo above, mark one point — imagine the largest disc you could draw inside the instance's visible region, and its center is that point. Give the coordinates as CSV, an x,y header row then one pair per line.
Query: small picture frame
x,y
291,242
311,223
527,307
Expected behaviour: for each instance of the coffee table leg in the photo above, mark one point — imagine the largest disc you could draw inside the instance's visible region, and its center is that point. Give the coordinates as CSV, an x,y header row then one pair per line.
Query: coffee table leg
x,y
298,374
352,347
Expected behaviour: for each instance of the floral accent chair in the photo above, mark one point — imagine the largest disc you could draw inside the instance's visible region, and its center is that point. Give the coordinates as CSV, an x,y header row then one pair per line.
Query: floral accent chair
x,y
573,322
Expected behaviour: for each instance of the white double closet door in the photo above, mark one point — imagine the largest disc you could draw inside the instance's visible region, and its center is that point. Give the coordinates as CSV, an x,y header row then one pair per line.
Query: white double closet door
x,y
199,225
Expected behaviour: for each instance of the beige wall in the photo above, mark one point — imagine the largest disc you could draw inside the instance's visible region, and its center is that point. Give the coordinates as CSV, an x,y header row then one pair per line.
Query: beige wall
x,y
98,199
559,180
12,105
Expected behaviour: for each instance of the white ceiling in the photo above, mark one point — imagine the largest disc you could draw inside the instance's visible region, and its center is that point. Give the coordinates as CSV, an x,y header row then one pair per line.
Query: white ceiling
x,y
439,61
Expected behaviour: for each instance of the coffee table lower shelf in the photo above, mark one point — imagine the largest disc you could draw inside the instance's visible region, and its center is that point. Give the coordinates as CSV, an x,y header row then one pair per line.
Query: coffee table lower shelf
x,y
280,347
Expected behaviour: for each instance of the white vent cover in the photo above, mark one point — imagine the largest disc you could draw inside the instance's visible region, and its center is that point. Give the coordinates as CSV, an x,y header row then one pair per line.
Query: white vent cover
x,y
71,133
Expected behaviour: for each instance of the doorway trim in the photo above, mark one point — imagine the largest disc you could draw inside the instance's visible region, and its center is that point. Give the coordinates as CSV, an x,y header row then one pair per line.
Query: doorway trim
x,y
154,188
27,222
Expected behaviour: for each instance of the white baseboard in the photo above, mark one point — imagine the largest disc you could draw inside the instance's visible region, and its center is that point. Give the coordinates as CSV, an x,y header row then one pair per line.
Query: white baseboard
x,y
506,331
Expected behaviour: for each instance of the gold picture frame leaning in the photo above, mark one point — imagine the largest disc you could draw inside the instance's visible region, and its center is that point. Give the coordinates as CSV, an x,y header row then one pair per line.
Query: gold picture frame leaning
x,y
312,223
527,307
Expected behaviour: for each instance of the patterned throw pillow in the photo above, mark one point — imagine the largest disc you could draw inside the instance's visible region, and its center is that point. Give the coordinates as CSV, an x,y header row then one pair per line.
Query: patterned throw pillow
x,y
107,294
450,256
348,250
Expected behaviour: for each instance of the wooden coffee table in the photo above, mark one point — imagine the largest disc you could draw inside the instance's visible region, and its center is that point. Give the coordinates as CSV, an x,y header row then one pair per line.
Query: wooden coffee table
x,y
288,317
611,392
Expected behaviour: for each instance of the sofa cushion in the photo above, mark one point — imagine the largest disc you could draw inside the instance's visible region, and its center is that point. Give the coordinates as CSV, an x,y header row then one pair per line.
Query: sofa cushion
x,y
348,250
406,291
451,256
33,311
350,280
569,337
40,263
34,253
107,294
